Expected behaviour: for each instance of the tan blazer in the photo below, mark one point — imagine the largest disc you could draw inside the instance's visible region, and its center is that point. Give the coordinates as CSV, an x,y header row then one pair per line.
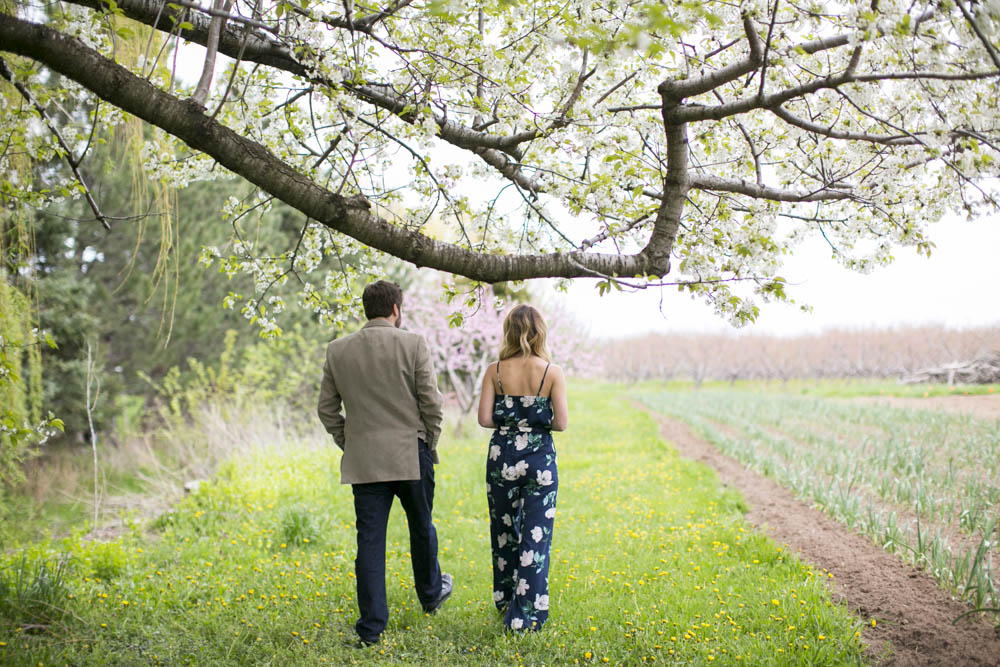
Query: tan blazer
x,y
384,379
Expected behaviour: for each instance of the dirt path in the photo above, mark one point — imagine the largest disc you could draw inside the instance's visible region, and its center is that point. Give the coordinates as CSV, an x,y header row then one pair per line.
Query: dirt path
x,y
913,614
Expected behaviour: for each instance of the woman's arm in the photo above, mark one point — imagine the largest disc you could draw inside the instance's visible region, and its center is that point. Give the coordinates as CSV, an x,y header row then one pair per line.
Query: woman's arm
x,y
560,411
486,399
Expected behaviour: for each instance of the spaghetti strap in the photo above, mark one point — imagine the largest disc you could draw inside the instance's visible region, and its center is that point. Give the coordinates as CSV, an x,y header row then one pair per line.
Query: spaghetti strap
x,y
542,383
499,383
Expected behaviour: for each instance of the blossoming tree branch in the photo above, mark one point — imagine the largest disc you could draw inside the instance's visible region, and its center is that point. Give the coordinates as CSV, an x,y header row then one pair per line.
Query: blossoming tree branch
x,y
514,140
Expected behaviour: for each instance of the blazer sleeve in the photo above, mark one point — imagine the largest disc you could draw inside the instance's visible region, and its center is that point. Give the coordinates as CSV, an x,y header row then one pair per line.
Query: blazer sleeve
x,y
329,408
429,400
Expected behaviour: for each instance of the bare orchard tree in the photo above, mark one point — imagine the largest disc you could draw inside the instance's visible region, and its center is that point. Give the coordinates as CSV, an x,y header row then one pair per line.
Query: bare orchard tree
x,y
863,353
508,141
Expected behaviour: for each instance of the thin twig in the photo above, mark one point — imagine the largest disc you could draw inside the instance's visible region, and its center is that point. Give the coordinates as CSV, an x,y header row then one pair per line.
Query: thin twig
x,y
73,164
91,405
236,66
767,48
615,87
990,49
215,29
149,42
637,107
215,13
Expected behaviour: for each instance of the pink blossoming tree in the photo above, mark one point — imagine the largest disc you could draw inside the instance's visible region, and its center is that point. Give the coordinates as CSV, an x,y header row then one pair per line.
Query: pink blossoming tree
x,y
464,339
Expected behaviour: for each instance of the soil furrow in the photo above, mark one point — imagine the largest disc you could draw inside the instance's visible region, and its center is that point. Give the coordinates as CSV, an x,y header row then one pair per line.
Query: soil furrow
x,y
913,614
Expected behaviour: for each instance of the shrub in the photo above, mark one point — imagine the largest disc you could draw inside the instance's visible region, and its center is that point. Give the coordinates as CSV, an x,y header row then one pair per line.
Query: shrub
x,y
107,560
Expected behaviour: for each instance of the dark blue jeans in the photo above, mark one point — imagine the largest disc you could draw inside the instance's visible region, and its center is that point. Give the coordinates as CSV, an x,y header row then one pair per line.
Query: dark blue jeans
x,y
372,503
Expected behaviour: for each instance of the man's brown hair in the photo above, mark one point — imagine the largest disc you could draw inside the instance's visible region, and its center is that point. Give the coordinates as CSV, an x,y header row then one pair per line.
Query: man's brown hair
x,y
379,298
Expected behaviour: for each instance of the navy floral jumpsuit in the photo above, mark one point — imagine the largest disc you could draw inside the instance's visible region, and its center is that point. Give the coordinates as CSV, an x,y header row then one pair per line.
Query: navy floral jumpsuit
x,y
521,483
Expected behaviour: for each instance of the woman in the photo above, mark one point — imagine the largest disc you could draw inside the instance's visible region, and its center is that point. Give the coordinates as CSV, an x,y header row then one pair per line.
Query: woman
x,y
524,399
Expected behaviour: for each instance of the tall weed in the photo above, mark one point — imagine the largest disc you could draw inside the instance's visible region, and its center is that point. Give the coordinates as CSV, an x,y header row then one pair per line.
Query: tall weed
x,y
33,594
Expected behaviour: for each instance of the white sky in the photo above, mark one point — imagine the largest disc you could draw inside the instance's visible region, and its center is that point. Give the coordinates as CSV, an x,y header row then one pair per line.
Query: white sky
x,y
958,287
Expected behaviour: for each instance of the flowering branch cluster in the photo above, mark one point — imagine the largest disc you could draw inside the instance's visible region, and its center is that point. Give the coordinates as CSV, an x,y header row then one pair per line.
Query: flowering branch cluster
x,y
577,140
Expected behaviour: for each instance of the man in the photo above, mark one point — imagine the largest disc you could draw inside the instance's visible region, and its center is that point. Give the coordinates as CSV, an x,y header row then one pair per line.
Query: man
x,y
383,378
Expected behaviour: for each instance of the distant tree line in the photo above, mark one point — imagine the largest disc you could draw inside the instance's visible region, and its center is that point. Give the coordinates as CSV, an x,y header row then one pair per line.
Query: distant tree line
x,y
838,353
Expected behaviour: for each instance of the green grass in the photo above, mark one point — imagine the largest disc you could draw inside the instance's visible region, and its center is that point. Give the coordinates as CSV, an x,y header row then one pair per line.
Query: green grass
x,y
920,483
652,562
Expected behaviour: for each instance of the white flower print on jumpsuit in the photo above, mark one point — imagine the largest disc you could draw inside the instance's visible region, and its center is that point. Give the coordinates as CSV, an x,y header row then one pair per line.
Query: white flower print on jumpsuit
x,y
522,481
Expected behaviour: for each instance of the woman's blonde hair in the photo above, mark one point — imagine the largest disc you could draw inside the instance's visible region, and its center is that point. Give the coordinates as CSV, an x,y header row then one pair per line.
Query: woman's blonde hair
x,y
524,334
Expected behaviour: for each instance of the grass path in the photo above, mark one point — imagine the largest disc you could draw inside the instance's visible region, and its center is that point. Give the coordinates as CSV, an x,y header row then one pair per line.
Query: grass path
x,y
652,562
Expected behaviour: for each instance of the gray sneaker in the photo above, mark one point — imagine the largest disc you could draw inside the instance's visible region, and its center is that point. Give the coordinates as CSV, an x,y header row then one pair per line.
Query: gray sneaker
x,y
446,588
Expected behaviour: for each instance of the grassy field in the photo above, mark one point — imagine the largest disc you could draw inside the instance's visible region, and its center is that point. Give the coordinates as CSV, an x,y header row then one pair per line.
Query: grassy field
x,y
652,563
921,483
